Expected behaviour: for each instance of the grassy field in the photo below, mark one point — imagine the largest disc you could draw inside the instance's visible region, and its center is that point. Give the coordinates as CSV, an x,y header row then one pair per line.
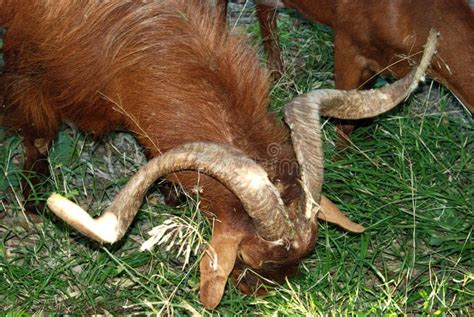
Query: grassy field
x,y
407,176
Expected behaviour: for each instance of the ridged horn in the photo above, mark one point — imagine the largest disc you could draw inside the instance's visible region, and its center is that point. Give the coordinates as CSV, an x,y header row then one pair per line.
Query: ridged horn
x,y
303,119
302,116
243,176
361,104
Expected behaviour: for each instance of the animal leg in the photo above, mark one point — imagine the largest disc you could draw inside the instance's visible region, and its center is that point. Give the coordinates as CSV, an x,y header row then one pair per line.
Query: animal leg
x,y
351,70
221,11
267,17
36,166
30,111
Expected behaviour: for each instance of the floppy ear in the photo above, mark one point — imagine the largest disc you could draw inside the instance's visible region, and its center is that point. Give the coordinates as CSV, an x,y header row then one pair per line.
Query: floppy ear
x,y
217,263
330,213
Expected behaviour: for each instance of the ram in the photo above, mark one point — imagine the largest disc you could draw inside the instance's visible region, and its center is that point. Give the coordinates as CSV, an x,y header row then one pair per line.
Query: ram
x,y
196,98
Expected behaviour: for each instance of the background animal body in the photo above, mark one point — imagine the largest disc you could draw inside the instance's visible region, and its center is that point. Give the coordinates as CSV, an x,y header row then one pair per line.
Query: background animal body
x,y
386,37
130,283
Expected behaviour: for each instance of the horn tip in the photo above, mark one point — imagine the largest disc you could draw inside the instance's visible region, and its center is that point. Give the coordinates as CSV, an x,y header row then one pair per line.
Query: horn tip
x,y
105,229
356,228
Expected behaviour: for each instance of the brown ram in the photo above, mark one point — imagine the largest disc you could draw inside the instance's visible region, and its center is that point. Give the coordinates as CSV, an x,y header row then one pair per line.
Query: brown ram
x,y
197,99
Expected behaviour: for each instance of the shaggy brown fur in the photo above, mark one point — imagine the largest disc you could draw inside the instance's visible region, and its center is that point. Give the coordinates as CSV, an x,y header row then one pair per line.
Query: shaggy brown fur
x,y
163,70
169,72
48,66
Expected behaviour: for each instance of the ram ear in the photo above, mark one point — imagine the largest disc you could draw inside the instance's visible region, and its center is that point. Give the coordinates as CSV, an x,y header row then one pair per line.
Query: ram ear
x,y
217,263
330,213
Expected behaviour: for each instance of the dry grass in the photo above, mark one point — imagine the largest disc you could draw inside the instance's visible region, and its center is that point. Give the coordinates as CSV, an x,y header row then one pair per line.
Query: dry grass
x,y
408,177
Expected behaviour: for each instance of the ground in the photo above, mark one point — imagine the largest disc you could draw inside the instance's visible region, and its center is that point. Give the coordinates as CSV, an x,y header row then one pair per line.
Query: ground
x,y
407,176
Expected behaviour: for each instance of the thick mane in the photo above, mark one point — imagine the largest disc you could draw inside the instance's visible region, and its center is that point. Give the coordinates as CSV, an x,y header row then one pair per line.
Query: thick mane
x,y
165,70
119,50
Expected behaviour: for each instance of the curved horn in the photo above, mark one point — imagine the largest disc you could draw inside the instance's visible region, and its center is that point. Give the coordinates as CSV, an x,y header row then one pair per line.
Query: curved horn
x,y
303,119
243,176
370,103
302,116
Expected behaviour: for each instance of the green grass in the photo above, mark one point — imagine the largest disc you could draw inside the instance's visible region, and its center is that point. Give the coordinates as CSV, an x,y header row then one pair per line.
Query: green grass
x,y
408,177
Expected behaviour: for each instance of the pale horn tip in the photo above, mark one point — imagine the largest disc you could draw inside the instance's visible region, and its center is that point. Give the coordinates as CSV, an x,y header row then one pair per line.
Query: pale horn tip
x,y
103,229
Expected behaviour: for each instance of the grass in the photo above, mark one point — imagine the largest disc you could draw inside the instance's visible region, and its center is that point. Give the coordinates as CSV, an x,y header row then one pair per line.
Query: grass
x,y
407,176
